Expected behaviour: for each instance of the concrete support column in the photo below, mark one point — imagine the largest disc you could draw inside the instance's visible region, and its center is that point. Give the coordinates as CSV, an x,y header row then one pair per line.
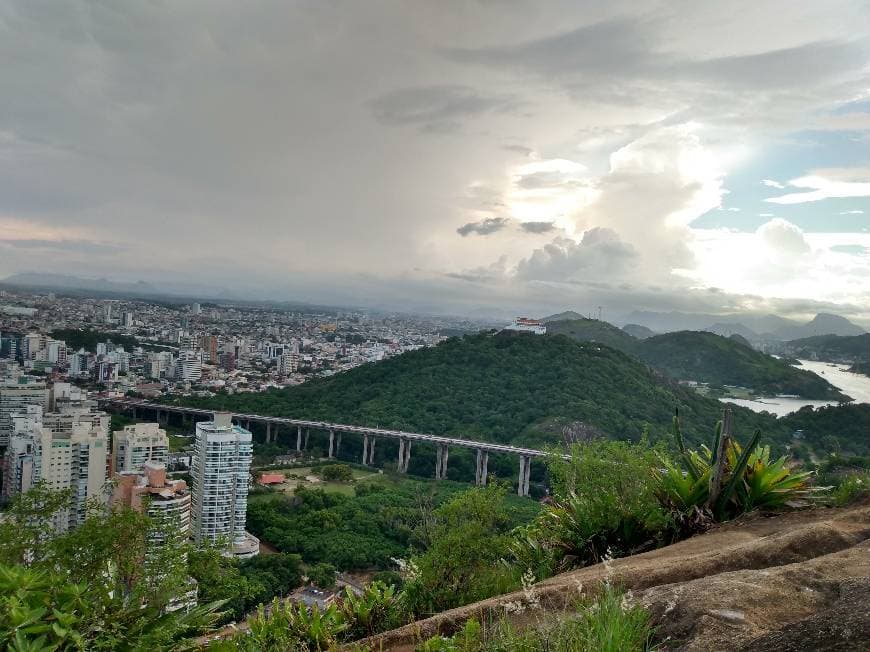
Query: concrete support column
x,y
441,462
248,425
401,455
307,433
338,443
525,472
404,455
481,471
365,449
268,432
298,438
372,450
331,443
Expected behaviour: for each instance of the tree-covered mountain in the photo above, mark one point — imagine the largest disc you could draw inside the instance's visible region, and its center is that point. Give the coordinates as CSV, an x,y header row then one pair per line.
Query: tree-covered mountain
x,y
711,358
512,388
832,348
638,331
593,330
704,357
844,430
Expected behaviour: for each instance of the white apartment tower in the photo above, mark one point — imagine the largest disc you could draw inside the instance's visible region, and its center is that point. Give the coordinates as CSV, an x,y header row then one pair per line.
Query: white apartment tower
x,y
139,443
13,397
221,471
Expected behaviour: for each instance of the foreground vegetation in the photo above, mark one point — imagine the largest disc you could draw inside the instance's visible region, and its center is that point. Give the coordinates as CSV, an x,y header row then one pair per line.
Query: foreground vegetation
x,y
92,588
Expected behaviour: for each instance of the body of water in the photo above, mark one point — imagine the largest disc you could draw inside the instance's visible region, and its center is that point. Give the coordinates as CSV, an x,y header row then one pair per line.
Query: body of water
x,y
855,385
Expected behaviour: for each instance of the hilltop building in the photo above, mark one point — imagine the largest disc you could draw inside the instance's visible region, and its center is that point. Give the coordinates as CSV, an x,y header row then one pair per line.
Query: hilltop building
x,y
526,325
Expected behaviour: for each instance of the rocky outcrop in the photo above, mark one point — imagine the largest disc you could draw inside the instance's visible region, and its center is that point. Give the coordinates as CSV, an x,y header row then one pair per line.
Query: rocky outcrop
x,y
798,581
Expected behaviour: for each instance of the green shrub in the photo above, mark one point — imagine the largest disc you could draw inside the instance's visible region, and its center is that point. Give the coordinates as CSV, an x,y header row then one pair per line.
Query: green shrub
x,y
462,564
850,489
378,609
286,627
604,501
606,623
322,575
726,480
337,473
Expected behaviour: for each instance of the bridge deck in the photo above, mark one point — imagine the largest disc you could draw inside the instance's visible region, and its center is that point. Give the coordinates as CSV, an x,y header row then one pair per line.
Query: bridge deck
x,y
338,427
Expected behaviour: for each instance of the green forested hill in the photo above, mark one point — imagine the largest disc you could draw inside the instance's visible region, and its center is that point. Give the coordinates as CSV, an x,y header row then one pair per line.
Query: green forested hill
x,y
515,388
833,348
844,429
704,357
710,358
593,330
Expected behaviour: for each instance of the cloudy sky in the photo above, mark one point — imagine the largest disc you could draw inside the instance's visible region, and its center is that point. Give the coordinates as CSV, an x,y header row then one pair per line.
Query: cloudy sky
x,y
470,157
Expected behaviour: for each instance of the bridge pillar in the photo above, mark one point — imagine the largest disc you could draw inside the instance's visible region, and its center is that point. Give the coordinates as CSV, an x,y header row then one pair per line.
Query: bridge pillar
x,y
481,472
372,450
307,433
404,454
331,443
248,424
337,443
365,449
525,472
268,432
441,462
298,439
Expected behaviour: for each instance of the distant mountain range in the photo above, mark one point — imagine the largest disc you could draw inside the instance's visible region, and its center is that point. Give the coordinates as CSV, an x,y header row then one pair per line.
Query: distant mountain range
x,y
37,280
755,328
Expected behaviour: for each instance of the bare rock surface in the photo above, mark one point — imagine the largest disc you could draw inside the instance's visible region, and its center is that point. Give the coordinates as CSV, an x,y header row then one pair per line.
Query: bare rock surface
x,y
797,581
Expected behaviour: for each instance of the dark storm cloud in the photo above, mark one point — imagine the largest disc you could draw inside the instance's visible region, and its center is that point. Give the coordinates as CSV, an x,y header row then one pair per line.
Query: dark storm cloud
x,y
483,227
537,227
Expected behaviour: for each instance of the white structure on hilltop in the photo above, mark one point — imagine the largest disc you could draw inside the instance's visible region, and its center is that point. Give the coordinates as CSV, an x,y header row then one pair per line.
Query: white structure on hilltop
x,y
139,443
526,325
221,471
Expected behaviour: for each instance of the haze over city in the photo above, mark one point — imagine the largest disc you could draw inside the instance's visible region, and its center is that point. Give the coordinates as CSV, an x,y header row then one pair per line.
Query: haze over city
x,y
465,157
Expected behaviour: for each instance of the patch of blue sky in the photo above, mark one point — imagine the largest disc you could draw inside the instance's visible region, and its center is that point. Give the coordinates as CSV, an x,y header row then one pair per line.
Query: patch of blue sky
x,y
786,159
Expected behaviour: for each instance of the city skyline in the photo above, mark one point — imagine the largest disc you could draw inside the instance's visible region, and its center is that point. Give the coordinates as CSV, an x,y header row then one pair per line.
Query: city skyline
x,y
470,158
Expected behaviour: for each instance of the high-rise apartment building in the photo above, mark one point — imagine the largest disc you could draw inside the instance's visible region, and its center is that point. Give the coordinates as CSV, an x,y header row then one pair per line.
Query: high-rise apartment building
x,y
22,461
166,502
188,367
221,475
13,397
208,344
137,444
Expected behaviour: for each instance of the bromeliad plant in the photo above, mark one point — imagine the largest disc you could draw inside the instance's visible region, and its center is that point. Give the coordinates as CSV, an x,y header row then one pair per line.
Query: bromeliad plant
x,y
726,480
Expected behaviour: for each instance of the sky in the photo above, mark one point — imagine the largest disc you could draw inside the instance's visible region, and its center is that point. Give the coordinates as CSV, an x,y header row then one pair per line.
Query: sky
x,y
489,157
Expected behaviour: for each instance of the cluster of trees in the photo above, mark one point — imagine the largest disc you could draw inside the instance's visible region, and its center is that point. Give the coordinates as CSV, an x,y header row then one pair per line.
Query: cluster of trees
x,y
101,587
76,339
379,523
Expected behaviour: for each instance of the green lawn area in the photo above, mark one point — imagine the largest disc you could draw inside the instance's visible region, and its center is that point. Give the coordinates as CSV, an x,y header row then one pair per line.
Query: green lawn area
x,y
297,476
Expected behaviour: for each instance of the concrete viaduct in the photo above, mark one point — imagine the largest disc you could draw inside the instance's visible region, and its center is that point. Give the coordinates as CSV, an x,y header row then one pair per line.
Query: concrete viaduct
x,y
369,435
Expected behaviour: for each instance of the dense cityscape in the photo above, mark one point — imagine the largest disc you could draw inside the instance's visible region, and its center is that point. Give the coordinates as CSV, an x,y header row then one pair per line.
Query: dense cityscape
x,y
455,326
